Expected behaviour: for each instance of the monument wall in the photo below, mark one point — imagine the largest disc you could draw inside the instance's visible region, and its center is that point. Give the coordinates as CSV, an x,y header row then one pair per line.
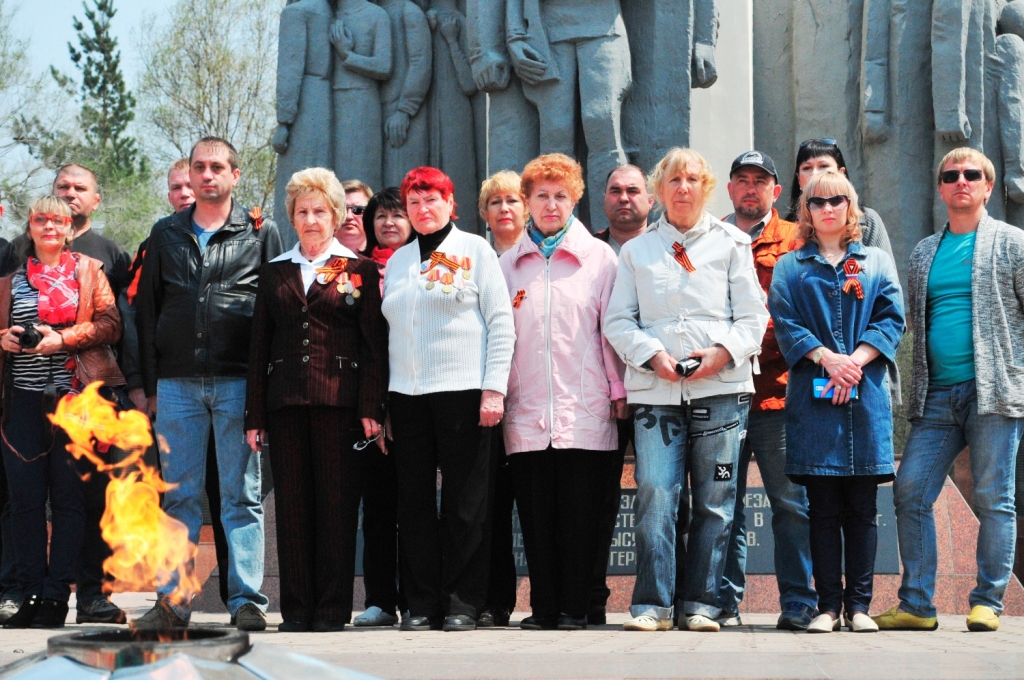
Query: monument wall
x,y
477,86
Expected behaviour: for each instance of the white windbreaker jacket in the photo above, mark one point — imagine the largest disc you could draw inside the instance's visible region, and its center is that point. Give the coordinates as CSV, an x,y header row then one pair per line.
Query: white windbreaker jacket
x,y
658,305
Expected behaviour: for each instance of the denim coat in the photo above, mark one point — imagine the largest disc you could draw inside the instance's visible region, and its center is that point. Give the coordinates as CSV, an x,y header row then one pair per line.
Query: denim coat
x,y
810,310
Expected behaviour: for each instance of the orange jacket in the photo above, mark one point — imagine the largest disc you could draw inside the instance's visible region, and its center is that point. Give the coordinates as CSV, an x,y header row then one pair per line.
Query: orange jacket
x,y
778,238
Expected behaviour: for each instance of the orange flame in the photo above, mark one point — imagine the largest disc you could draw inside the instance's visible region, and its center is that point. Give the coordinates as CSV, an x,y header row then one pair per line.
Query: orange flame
x,y
148,545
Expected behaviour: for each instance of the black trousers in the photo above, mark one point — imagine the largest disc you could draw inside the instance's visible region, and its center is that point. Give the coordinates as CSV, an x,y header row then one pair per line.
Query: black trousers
x,y
501,589
557,491
444,558
318,479
842,512
38,466
608,514
380,532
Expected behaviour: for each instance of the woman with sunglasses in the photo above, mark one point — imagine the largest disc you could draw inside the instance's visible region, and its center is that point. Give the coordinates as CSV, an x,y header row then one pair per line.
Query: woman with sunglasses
x,y
317,383
60,319
838,313
821,155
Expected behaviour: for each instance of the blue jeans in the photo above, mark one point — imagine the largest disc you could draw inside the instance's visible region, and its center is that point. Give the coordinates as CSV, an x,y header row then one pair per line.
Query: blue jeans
x,y
766,440
704,438
950,422
187,408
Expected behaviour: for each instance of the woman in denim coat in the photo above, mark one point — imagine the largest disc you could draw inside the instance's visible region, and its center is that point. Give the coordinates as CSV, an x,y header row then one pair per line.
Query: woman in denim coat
x,y
838,313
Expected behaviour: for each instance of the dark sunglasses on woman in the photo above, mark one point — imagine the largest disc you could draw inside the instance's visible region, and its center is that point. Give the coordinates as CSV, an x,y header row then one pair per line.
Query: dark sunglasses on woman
x,y
818,202
953,176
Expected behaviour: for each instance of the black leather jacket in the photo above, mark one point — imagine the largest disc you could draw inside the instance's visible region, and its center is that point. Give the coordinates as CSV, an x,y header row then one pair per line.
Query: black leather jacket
x,y
194,309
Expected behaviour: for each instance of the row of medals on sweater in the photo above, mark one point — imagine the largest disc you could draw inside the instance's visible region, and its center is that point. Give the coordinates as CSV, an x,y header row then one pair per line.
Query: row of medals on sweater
x,y
444,269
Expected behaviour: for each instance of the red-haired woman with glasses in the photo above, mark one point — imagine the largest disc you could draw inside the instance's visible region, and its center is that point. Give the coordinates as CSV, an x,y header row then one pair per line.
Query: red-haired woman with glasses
x,y
59,318
450,352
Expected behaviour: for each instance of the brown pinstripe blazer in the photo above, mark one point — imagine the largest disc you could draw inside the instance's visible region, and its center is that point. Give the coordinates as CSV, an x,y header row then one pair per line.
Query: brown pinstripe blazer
x,y
316,349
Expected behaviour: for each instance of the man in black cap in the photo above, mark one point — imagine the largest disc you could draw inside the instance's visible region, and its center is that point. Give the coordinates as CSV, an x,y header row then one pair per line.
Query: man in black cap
x,y
753,188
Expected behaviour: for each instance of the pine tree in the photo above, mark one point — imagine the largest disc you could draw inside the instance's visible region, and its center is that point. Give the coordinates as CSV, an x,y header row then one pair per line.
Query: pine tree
x,y
107,105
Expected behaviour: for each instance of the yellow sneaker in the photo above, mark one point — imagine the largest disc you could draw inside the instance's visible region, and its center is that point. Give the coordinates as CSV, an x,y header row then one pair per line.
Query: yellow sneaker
x,y
982,619
895,619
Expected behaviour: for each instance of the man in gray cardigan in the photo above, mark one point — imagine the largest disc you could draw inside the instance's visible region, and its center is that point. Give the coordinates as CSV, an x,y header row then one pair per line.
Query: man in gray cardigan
x,y
967,307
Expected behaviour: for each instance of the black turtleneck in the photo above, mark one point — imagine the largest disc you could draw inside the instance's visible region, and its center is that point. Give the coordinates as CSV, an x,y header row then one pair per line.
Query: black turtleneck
x,y
430,242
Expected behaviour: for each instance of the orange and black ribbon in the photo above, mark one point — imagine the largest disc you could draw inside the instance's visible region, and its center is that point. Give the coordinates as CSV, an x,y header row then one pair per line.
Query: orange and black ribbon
x,y
682,258
332,269
518,299
257,218
437,258
852,271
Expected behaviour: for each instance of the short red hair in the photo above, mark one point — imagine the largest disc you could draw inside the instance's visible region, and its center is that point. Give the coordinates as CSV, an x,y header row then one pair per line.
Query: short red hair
x,y
557,168
426,178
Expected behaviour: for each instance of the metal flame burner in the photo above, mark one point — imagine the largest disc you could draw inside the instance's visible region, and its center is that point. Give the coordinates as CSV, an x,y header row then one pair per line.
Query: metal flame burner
x,y
123,648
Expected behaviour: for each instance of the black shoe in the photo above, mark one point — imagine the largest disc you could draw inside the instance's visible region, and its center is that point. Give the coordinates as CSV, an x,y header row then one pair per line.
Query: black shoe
x,y
493,617
51,614
293,627
569,623
100,610
596,617
415,623
328,627
26,613
538,623
459,622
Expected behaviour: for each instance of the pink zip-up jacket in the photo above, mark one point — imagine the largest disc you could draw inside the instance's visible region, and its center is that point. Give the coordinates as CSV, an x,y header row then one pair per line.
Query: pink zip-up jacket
x,y
564,373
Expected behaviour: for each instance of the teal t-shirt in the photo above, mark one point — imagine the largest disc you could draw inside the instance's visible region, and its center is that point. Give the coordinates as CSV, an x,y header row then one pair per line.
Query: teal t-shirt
x,y
950,325
202,235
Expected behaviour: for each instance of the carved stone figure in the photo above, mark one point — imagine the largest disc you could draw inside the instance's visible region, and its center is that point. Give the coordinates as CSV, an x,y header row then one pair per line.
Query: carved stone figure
x,y
303,93
965,85
564,49
673,51
452,129
407,143
1010,56
513,133
361,38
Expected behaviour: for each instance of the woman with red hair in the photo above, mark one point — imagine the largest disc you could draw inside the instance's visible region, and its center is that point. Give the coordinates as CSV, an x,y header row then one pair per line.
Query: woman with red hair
x,y
450,351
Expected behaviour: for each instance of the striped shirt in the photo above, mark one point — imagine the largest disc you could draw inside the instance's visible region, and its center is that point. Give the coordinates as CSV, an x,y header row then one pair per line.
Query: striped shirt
x,y
31,371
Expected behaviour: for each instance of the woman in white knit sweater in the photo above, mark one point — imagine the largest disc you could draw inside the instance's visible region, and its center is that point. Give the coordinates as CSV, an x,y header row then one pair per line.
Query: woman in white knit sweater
x,y
450,351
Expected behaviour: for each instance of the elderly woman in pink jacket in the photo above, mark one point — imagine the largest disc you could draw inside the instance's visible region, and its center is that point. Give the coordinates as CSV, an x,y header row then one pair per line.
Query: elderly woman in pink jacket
x,y
565,390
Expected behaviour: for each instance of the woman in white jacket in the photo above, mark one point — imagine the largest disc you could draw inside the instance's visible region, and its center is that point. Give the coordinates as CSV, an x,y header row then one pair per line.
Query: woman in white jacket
x,y
686,290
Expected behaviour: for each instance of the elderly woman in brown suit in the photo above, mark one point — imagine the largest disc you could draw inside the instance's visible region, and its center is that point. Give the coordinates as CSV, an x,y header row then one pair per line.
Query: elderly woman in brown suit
x,y
317,383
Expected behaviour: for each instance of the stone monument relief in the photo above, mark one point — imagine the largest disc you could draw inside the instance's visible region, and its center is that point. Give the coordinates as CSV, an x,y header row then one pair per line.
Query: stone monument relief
x,y
476,86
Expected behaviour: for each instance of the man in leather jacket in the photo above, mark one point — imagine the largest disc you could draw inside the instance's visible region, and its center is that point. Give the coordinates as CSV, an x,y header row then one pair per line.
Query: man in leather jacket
x,y
195,303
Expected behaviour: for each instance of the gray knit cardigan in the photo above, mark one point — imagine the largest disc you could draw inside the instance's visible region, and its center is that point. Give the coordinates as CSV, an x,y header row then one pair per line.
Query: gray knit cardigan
x,y
997,297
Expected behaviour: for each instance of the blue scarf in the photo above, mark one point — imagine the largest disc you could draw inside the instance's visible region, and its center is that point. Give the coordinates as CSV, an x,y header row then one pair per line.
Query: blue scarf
x,y
547,244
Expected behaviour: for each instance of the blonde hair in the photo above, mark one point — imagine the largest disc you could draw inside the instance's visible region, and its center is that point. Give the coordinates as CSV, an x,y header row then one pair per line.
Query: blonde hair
x,y
675,162
964,154
178,166
316,181
355,185
504,182
554,167
827,184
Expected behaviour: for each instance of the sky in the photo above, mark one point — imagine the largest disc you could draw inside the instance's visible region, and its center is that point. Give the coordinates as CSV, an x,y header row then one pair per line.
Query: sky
x,y
46,27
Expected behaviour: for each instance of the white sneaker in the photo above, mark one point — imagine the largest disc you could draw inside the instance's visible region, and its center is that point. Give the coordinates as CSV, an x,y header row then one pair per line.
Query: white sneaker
x,y
646,622
374,616
729,620
702,624
861,623
823,623
8,608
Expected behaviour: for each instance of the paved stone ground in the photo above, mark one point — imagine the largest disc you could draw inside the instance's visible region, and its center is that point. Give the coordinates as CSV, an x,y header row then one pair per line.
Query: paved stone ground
x,y
755,650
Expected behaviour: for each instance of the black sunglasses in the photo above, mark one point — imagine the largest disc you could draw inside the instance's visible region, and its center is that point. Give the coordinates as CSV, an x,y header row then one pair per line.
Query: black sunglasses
x,y
818,202
357,209
827,140
952,176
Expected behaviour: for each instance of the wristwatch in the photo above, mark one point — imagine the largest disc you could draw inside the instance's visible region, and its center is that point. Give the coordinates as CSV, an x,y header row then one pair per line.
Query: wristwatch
x,y
817,354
